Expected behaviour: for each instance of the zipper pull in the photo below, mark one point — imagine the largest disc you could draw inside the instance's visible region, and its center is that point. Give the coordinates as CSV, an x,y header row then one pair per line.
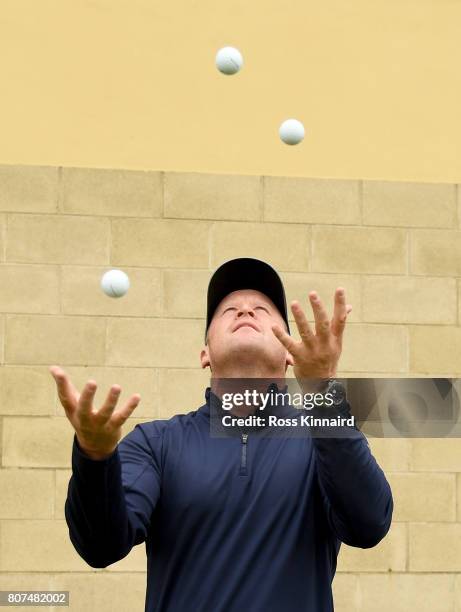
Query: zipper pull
x,y
243,460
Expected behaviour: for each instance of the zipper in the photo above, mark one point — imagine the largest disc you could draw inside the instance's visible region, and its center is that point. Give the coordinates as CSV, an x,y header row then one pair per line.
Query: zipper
x,y
243,461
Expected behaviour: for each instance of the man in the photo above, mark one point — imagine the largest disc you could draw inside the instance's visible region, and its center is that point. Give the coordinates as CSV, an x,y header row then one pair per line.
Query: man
x,y
230,523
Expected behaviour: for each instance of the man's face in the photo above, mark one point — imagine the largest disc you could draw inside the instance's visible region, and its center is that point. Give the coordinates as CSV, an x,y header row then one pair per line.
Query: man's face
x,y
241,327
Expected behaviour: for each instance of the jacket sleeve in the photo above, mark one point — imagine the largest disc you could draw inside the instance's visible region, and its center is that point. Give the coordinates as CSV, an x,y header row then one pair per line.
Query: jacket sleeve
x,y
110,502
357,497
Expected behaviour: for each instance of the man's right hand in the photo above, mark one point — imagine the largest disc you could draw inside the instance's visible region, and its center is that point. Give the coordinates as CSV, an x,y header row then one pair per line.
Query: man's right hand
x,y
98,431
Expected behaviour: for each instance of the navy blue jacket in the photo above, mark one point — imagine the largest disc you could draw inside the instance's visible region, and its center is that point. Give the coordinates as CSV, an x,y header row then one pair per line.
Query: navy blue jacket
x,y
229,524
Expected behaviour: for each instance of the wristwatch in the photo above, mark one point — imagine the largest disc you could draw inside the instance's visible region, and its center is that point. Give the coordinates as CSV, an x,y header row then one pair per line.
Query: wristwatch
x,y
337,390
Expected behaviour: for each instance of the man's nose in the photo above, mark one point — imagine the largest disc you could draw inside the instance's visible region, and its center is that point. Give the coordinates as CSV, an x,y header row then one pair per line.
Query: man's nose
x,y
244,310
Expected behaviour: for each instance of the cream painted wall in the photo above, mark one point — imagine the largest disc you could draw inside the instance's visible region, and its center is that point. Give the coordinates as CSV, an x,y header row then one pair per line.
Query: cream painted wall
x,y
132,84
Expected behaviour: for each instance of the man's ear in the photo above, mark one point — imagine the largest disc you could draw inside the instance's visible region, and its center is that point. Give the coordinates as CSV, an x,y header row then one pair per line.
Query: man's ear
x,y
205,358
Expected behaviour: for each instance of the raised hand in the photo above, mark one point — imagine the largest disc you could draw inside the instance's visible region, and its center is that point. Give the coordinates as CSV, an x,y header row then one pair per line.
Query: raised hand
x,y
317,354
98,431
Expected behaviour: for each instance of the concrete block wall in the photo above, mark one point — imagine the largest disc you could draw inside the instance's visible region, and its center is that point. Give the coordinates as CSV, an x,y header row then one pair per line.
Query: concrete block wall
x,y
395,247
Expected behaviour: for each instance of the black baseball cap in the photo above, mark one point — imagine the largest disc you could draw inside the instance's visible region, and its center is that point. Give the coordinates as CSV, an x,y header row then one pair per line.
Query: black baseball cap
x,y
245,273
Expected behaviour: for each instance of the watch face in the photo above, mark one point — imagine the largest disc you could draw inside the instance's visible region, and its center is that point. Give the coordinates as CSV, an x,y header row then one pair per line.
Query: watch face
x,y
338,392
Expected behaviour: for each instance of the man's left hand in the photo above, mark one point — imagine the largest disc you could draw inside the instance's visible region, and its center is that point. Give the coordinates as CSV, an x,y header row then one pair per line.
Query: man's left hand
x,y
317,354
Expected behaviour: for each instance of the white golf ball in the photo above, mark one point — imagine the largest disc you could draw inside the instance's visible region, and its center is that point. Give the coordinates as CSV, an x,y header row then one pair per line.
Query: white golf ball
x,y
291,131
229,60
115,283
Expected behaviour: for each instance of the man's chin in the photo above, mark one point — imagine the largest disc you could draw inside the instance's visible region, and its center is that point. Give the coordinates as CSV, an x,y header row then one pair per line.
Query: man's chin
x,y
246,330
246,334
247,342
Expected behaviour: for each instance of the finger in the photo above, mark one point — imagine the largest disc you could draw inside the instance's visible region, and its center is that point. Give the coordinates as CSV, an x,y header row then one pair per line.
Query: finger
x,y
288,342
305,331
120,416
67,393
85,404
107,409
322,323
340,312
